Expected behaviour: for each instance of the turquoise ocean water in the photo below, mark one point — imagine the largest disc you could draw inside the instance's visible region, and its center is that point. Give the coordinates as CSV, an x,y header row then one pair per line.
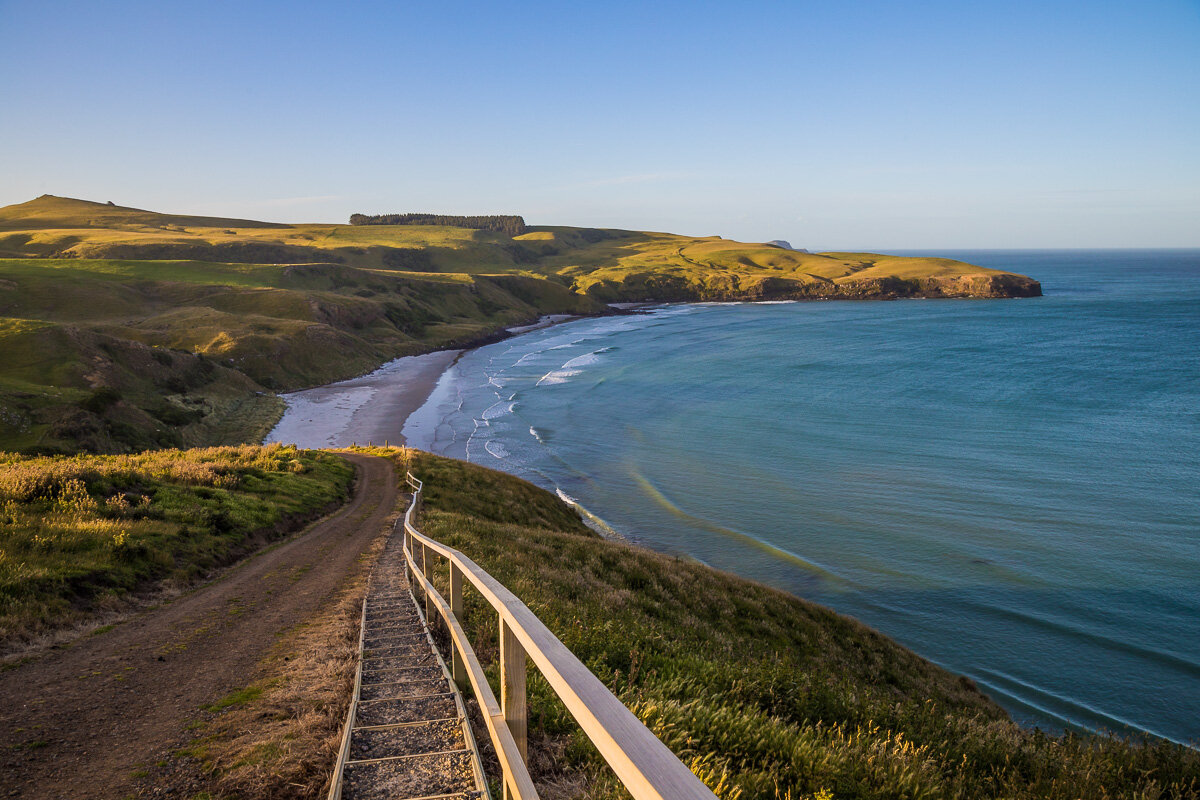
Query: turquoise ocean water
x,y
1011,488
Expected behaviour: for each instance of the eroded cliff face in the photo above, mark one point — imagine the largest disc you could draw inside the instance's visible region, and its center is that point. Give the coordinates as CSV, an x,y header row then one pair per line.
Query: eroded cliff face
x,y
1003,285
656,287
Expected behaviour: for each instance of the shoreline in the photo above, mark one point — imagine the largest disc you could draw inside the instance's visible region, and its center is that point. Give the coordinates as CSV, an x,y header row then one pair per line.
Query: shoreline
x,y
369,408
374,408
1019,711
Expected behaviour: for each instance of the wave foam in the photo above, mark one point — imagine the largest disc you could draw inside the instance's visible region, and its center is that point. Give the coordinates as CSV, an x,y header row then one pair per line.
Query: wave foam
x,y
556,376
504,406
572,367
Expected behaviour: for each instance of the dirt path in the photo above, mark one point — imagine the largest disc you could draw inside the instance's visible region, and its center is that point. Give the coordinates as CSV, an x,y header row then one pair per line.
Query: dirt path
x,y
76,723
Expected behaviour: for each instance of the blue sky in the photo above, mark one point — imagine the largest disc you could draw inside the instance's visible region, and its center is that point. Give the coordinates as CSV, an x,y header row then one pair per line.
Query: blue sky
x,y
867,125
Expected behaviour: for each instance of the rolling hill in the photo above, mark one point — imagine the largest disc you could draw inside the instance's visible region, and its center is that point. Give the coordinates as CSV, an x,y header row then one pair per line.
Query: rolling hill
x,y
123,329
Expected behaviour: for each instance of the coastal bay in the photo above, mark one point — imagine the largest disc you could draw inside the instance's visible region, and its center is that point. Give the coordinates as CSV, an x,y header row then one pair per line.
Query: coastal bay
x,y
951,490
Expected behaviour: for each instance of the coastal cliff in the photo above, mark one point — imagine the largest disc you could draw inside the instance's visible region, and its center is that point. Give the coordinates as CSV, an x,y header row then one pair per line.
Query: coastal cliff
x,y
651,287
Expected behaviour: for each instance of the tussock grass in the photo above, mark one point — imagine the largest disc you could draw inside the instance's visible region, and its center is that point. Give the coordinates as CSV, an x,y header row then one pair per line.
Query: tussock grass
x,y
77,533
761,693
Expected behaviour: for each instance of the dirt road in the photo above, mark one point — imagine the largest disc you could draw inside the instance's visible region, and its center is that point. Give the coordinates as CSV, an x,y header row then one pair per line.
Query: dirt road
x,y
76,723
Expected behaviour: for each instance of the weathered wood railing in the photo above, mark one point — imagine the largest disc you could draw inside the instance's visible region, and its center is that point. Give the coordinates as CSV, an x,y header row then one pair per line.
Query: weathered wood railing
x,y
647,768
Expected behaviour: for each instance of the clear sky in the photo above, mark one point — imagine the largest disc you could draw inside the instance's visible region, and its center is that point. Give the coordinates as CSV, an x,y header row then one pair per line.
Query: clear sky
x,y
868,125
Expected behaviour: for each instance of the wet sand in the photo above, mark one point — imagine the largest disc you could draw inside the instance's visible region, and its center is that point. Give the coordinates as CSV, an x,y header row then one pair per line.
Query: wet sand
x,y
371,408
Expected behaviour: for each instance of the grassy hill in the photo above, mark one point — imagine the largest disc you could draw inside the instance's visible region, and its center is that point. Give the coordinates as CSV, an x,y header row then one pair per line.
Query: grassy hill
x,y
122,329
78,533
765,695
606,264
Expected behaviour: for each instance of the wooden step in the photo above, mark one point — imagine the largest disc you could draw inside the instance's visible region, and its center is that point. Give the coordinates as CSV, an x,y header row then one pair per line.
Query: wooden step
x,y
391,712
416,655
384,670
407,738
402,689
418,738
409,777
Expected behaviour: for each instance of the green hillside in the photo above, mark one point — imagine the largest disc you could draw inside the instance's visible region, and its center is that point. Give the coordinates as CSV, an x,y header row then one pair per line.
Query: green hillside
x,y
763,694
123,329
81,532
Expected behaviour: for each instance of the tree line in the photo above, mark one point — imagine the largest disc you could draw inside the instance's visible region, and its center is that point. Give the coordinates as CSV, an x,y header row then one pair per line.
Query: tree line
x,y
500,223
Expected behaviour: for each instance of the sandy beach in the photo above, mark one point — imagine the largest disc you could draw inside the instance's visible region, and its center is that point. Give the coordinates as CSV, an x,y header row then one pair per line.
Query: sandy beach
x,y
374,407
371,408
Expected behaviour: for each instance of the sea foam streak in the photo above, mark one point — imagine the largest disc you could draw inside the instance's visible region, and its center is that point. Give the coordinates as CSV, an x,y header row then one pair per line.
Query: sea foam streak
x,y
591,520
571,368
496,449
499,409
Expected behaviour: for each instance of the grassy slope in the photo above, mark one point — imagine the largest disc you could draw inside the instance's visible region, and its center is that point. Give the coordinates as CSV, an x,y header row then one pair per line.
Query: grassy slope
x,y
67,387
761,692
79,531
98,298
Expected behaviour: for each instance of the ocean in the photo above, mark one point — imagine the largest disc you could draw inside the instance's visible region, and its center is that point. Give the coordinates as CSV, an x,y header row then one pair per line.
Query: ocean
x,y
1011,488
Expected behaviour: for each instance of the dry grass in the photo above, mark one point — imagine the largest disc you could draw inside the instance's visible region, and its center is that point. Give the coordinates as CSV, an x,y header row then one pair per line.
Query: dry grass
x,y
67,478
283,742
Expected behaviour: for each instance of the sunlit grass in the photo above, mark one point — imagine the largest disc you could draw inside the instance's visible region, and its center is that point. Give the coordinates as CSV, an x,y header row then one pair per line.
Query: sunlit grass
x,y
74,529
761,693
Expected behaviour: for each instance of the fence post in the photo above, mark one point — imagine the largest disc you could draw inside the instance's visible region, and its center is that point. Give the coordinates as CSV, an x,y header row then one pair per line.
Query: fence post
x,y
512,688
405,545
456,608
425,572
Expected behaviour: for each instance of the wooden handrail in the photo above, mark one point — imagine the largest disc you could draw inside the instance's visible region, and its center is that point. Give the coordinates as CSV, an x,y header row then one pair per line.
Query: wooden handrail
x,y
647,767
516,774
339,767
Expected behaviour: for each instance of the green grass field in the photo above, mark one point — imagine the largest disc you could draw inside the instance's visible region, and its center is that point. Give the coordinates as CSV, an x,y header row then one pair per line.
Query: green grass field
x,y
763,694
79,532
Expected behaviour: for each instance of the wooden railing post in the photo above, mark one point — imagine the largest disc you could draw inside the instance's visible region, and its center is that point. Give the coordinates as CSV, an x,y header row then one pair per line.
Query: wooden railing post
x,y
405,549
512,688
459,667
425,572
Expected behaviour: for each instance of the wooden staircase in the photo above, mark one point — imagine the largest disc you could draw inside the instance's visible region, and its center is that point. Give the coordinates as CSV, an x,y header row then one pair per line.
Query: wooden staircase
x,y
407,734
